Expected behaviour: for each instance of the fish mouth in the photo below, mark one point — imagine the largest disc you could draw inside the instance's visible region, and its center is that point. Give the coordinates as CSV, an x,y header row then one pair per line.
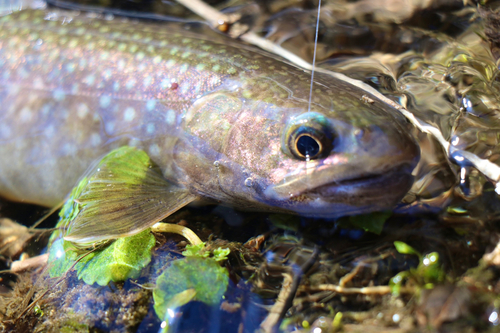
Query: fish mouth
x,y
384,189
327,196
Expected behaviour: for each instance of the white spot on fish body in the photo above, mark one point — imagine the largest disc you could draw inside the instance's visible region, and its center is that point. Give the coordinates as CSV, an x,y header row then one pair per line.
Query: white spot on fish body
x,y
140,56
82,110
116,86
70,67
133,48
200,67
147,81
170,63
130,83
38,83
49,131
134,142
121,64
150,128
69,149
183,68
25,115
150,105
104,101
122,47
107,74
154,150
184,89
129,114
109,127
165,83
80,31
89,80
46,109
59,95
157,59
170,117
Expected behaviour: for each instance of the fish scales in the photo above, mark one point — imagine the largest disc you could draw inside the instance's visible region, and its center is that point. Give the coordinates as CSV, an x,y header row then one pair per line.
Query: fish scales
x,y
213,114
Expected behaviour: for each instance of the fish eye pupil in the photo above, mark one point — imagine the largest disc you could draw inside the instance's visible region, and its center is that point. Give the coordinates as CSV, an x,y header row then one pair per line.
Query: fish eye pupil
x,y
308,146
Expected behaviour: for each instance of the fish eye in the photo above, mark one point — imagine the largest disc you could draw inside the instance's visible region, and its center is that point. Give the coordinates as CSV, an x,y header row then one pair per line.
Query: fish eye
x,y
307,146
308,137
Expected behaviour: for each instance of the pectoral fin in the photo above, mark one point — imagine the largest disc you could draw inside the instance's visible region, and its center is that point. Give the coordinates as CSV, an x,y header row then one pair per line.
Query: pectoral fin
x,y
123,195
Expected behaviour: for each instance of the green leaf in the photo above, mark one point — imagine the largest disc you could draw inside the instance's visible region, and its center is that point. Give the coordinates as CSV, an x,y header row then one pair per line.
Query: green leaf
x,y
397,281
430,268
221,254
373,222
404,248
205,277
121,260
196,250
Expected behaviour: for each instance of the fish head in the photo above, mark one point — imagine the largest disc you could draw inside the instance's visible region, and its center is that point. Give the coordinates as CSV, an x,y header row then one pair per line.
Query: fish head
x,y
340,155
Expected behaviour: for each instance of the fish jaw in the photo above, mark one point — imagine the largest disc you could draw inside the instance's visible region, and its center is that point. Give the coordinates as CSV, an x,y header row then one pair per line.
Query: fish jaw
x,y
347,197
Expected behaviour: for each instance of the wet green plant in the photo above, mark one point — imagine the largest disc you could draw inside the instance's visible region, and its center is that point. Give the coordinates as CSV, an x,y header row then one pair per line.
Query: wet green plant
x,y
121,260
192,278
38,311
200,251
426,275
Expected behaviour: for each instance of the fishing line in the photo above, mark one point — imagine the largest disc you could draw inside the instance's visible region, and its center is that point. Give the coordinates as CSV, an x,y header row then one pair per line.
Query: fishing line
x,y
312,73
314,56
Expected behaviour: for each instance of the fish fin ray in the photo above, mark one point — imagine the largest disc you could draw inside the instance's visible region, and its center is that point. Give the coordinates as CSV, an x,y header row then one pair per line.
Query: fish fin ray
x,y
124,195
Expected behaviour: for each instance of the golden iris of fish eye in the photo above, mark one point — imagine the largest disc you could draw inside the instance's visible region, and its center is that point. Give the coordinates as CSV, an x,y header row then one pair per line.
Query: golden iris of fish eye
x,y
312,125
297,151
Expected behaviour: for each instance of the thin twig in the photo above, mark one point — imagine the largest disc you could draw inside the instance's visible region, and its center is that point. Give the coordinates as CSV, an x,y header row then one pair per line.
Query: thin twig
x,y
287,294
29,264
179,230
375,290
273,318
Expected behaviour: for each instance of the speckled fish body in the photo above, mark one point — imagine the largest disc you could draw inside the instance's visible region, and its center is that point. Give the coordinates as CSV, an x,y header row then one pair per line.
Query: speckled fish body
x,y
220,119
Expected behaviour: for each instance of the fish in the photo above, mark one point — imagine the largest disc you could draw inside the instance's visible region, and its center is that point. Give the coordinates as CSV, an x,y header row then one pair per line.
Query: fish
x,y
224,122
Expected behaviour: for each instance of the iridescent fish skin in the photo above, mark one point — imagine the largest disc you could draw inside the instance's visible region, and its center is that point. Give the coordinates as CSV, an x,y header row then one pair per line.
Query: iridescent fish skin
x,y
214,115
